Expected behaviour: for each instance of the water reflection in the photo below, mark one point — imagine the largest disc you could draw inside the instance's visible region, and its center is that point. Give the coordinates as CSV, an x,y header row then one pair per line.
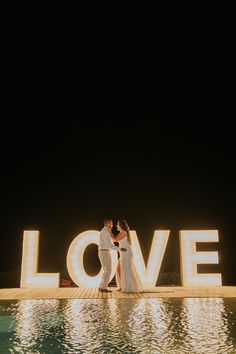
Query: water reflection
x,y
145,324
152,325
157,325
161,316
34,319
80,325
206,327
26,324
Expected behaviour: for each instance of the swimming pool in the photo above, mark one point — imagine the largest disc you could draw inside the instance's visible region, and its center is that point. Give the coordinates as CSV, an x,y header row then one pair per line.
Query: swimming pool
x,y
145,325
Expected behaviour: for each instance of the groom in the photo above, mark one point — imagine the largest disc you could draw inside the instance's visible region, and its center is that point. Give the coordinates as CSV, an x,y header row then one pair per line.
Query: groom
x,y
104,247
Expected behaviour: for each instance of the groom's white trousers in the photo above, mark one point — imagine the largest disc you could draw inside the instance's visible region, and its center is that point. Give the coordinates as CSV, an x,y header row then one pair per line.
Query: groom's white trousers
x,y
105,259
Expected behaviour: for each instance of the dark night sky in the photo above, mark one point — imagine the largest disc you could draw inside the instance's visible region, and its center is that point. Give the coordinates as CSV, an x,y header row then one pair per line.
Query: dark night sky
x,y
158,152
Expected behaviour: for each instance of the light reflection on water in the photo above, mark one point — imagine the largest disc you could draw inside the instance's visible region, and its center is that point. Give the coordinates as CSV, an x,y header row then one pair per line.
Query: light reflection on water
x,y
207,318
157,325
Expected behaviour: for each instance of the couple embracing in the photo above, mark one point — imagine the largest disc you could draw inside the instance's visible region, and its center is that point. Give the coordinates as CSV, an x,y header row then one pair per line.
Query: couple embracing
x,y
127,278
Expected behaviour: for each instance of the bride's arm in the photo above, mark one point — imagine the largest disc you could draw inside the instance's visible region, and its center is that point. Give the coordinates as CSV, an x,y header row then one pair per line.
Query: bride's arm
x,y
113,237
119,237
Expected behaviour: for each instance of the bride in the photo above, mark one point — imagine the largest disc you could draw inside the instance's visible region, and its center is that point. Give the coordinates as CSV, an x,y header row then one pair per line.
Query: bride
x,y
127,277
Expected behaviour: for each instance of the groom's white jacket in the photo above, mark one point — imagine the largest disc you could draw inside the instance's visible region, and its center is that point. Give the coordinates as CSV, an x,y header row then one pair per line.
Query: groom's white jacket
x,y
105,240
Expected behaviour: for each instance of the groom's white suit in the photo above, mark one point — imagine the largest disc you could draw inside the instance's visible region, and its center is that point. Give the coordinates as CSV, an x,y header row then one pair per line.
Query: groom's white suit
x,y
104,248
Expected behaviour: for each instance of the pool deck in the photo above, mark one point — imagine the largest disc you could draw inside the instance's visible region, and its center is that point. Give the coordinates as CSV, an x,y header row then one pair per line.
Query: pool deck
x,y
93,293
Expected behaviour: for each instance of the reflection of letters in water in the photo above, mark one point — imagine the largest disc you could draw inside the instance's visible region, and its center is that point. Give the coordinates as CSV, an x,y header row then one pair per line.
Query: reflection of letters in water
x,y
148,274
200,318
196,325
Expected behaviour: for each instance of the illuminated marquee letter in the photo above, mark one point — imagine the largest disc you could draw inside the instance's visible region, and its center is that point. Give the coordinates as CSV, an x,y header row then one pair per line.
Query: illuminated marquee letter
x,y
30,278
190,258
75,264
150,273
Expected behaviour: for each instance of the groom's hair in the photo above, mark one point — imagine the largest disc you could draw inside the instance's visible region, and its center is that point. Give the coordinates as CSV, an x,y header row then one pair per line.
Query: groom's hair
x,y
105,221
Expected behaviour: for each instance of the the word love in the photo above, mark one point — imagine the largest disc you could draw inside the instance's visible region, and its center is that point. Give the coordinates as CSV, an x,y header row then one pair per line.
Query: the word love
x,y
188,255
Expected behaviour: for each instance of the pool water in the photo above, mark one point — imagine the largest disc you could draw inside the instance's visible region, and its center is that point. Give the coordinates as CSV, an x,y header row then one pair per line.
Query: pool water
x,y
154,325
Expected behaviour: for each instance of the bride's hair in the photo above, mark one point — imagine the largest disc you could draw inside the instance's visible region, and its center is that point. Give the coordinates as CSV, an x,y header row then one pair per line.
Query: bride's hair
x,y
124,225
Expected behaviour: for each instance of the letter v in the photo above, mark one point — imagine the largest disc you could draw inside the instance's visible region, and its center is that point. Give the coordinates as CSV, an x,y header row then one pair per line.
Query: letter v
x,y
149,274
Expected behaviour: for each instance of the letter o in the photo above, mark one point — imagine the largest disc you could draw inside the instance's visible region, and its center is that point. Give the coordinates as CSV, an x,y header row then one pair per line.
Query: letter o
x,y
75,264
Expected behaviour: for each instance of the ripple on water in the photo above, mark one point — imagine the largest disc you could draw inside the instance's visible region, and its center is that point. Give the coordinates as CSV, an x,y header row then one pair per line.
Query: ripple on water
x,y
189,325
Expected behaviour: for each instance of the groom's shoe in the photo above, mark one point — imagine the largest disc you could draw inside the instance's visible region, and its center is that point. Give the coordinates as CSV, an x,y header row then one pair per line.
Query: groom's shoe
x,y
105,291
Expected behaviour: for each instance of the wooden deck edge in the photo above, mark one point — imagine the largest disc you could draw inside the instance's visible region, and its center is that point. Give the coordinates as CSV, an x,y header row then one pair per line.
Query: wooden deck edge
x,y
78,293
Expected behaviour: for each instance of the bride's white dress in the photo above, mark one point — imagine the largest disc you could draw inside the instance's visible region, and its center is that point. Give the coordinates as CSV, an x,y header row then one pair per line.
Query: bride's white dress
x,y
129,281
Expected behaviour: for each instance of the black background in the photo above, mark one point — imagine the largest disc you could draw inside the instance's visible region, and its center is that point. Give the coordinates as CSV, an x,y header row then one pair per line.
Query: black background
x,y
132,117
